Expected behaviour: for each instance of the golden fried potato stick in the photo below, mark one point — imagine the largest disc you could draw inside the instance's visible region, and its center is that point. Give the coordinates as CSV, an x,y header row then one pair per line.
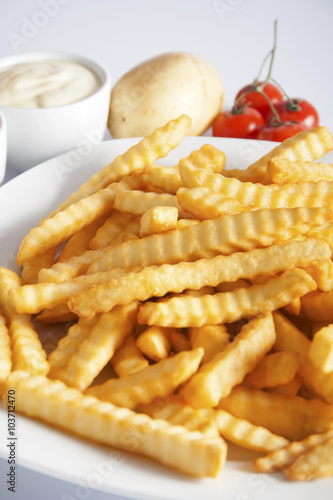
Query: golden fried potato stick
x,y
284,170
30,270
128,358
157,281
273,370
315,463
27,350
139,202
79,242
322,273
154,343
157,380
324,231
230,306
59,314
207,157
65,223
212,338
98,347
112,226
224,235
55,403
290,338
5,352
69,344
166,178
204,203
158,220
174,410
146,152
318,306
248,194
321,349
291,417
308,145
243,433
294,307
279,459
215,379
34,298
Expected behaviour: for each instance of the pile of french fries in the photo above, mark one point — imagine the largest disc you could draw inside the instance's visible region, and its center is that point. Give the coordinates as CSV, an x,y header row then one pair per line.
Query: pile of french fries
x,y
200,302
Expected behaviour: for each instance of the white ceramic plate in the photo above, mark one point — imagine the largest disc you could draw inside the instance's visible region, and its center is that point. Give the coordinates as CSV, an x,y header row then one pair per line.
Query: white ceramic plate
x,y
23,202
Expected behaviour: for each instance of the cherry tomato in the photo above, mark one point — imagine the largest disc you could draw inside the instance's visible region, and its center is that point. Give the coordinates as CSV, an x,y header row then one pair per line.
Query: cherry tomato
x,y
257,100
241,123
301,112
279,132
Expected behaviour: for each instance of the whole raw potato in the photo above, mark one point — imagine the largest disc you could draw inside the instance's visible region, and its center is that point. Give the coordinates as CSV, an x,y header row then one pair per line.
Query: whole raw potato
x,y
161,89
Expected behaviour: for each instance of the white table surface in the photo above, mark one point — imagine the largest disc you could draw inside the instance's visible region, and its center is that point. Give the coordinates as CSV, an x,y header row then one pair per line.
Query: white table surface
x,y
233,35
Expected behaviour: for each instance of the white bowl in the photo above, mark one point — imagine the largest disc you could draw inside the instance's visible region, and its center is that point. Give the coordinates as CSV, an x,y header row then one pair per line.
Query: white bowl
x,y
3,147
37,134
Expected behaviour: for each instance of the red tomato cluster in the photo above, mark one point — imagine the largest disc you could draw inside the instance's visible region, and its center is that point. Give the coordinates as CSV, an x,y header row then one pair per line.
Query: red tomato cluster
x,y
262,112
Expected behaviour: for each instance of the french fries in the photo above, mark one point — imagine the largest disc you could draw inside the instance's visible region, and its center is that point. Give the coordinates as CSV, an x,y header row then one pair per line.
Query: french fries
x,y
200,304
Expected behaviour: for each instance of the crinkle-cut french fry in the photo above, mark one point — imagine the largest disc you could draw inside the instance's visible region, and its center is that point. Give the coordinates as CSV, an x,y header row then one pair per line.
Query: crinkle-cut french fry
x,y
247,194
174,410
79,242
215,379
157,281
290,338
138,202
65,223
324,232
5,352
107,232
146,152
69,344
294,307
98,347
230,306
34,298
322,273
154,343
212,338
86,416
224,235
157,380
274,369
158,220
289,389
294,418
27,350
318,306
186,222
279,459
308,145
166,178
30,270
128,358
59,314
243,433
315,463
204,203
75,266
284,170
178,341
207,157
321,349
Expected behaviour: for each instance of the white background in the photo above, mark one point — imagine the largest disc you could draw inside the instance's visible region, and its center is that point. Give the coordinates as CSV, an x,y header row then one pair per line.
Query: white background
x,y
233,35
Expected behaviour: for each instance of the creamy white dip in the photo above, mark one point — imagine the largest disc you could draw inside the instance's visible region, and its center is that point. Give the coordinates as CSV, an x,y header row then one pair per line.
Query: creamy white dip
x,y
46,84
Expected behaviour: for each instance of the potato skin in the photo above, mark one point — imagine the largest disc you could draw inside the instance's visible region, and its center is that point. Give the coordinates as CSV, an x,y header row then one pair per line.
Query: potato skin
x,y
161,89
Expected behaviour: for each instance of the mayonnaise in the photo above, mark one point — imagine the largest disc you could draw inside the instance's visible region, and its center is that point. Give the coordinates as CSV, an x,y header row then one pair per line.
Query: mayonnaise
x,y
46,84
